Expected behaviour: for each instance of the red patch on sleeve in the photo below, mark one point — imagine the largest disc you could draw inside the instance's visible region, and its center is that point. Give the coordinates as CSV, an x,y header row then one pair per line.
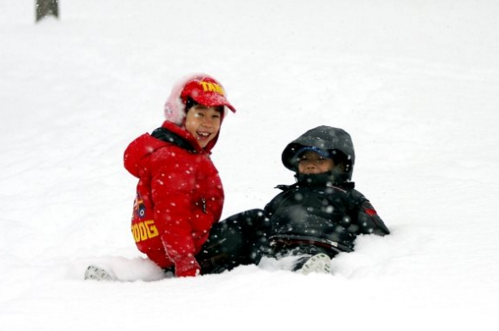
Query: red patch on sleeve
x,y
370,211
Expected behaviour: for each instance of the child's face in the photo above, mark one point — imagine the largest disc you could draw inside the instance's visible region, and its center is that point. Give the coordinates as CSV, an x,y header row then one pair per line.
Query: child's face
x,y
313,163
203,123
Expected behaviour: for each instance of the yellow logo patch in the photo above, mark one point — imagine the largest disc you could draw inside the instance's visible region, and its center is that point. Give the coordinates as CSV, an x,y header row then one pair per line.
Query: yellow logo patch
x,y
212,87
144,230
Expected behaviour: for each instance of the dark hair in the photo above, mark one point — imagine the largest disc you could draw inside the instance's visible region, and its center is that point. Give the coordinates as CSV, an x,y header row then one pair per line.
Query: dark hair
x,y
190,102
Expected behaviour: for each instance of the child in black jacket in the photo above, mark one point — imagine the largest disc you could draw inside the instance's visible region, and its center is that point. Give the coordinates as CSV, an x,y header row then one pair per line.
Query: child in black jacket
x,y
321,214
310,221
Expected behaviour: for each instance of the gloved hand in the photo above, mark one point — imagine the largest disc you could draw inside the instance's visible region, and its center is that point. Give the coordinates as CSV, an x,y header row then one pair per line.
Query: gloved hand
x,y
187,267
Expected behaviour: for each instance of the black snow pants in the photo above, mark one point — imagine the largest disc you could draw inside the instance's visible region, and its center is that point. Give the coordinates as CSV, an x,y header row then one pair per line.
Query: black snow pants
x,y
237,240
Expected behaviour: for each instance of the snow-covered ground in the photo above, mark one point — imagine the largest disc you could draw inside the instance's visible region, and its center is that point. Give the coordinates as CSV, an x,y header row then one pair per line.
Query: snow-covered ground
x,y
416,83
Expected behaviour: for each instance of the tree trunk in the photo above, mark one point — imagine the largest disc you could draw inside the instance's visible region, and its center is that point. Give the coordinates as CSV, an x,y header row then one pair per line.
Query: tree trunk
x,y
46,7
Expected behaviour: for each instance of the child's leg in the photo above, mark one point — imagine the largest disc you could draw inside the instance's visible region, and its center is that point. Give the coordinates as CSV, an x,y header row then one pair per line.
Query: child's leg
x,y
234,241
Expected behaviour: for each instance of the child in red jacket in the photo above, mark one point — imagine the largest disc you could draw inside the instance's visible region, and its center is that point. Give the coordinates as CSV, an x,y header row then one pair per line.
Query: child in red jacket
x,y
179,192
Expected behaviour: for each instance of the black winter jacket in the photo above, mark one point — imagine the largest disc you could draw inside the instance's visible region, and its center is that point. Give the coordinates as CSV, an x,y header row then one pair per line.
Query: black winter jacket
x,y
327,216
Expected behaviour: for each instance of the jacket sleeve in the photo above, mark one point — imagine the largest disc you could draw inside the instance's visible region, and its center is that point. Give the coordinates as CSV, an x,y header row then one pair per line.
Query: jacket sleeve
x,y
369,220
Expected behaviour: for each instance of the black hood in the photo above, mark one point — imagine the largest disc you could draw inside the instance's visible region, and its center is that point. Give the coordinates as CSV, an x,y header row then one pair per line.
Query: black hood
x,y
326,138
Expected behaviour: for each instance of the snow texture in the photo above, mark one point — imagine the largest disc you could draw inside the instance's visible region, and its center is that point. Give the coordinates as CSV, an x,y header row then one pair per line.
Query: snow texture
x,y
414,82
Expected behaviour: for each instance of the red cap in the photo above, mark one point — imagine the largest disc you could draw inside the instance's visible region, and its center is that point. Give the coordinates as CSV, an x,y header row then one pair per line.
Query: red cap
x,y
207,92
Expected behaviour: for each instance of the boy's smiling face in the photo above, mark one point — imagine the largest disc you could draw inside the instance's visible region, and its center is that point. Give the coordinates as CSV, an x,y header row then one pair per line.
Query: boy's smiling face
x,y
203,123
311,162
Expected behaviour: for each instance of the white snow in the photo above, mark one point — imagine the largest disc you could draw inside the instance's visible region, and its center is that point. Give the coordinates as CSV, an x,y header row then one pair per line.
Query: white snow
x,y
416,83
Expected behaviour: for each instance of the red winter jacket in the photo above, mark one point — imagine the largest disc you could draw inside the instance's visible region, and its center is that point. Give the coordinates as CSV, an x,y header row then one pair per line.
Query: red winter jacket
x,y
179,197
